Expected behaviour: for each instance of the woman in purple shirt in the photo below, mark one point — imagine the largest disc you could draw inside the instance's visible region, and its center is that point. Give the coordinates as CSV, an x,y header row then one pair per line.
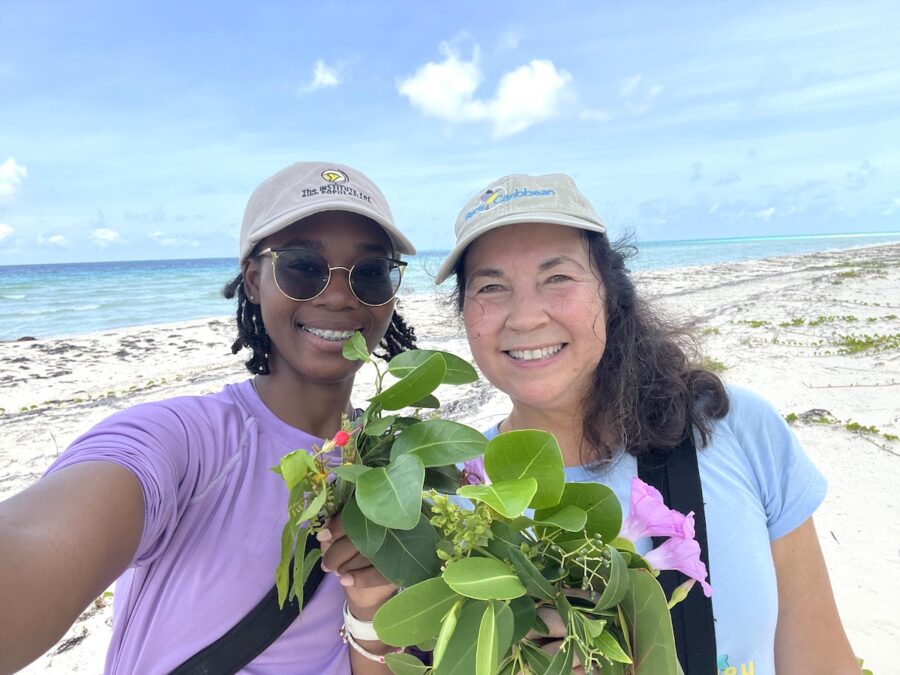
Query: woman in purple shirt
x,y
176,499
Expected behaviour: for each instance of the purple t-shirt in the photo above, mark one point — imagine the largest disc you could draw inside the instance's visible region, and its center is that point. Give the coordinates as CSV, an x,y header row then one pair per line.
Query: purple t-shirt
x,y
213,515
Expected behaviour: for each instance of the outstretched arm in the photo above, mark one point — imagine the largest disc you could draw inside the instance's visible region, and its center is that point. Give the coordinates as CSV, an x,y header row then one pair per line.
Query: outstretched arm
x,y
63,541
809,637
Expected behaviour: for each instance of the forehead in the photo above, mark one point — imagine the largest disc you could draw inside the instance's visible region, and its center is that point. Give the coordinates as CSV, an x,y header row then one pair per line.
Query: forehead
x,y
514,245
329,228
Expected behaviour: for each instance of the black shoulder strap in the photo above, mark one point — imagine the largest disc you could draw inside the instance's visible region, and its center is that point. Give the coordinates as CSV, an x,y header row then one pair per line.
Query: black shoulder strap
x,y
253,634
676,475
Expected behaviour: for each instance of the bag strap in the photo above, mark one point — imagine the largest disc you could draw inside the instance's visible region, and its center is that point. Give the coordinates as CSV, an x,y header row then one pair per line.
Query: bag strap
x,y
676,475
253,634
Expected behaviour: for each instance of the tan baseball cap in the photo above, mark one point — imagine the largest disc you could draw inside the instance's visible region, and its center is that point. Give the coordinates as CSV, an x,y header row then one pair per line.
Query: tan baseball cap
x,y
307,188
520,198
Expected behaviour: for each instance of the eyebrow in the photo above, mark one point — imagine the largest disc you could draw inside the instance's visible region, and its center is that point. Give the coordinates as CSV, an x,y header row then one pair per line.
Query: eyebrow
x,y
550,263
316,245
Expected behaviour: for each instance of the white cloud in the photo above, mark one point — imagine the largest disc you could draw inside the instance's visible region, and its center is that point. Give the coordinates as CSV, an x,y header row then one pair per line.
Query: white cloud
x,y
53,240
164,239
509,40
104,236
6,231
324,77
525,96
11,175
856,180
638,99
766,214
598,115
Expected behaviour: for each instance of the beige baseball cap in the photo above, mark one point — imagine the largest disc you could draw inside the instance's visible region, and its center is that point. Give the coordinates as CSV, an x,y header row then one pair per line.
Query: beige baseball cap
x,y
520,198
307,188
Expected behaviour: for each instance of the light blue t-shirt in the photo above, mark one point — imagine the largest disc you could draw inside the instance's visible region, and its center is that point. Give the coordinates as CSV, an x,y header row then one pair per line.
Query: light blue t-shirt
x,y
758,485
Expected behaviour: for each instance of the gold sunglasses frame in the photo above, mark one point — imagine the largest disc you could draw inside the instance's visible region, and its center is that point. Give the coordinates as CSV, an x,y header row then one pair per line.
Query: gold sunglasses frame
x,y
273,253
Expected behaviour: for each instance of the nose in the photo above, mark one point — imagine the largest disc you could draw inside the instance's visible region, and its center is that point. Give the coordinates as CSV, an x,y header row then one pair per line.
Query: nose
x,y
337,294
527,311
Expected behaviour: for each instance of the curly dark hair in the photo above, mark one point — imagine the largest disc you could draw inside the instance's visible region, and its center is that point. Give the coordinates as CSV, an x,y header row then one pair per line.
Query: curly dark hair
x,y
646,393
252,332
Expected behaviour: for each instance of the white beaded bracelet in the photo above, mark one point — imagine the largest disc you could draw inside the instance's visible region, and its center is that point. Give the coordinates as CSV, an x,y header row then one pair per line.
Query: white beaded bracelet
x,y
359,649
361,630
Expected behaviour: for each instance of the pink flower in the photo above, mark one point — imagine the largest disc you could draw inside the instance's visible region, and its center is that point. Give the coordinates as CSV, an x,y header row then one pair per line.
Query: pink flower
x,y
682,554
648,516
341,438
473,472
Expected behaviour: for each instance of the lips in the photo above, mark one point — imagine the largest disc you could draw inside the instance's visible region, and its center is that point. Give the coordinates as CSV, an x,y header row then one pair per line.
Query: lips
x,y
537,353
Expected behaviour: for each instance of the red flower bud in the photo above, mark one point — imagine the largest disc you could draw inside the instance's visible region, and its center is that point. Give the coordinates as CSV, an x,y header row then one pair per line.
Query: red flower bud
x,y
341,438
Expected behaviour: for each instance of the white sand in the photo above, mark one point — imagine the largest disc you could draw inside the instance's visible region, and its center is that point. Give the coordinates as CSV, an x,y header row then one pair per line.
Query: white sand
x,y
52,390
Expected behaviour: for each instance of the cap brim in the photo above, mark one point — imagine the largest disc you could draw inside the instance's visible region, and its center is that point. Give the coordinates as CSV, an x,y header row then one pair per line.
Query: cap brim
x,y
449,264
401,244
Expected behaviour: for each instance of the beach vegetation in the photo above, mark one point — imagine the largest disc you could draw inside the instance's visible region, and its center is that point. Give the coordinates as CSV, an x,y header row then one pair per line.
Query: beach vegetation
x,y
854,344
793,323
850,425
712,365
754,323
710,330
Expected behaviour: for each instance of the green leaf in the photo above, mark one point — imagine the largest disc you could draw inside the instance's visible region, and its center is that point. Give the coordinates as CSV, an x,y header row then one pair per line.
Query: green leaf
x,y
527,453
416,385
293,468
594,626
534,581
356,349
439,442
537,659
409,556
312,509
448,625
649,626
508,497
367,536
604,512
483,579
351,472
459,657
429,401
415,613
458,370
570,518
392,495
611,648
505,537
405,664
618,582
487,656
503,616
442,478
524,613
561,663
282,578
379,426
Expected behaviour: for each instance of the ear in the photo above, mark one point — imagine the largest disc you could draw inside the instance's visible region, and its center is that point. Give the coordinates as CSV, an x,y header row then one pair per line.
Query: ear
x,y
251,271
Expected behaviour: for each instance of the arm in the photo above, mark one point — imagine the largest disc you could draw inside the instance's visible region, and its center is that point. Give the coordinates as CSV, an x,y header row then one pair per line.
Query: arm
x,y
64,540
809,637
366,590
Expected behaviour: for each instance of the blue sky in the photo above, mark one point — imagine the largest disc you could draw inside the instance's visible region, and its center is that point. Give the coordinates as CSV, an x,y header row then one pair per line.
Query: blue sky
x,y
138,130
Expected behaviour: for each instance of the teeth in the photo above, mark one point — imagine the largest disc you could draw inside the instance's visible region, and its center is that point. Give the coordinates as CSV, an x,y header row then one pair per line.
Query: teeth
x,y
533,354
334,335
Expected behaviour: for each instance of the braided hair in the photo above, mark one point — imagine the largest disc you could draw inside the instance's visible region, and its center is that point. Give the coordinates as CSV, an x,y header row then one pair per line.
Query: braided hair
x,y
252,332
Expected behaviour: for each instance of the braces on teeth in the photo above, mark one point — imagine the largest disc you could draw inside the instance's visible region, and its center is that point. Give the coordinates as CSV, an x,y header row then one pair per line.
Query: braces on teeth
x,y
329,334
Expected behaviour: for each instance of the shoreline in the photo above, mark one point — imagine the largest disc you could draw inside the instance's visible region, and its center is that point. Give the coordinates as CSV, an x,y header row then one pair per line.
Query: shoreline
x,y
817,334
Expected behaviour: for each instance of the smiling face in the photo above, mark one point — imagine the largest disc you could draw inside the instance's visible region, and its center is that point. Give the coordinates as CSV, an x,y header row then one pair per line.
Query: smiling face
x,y
534,314
308,337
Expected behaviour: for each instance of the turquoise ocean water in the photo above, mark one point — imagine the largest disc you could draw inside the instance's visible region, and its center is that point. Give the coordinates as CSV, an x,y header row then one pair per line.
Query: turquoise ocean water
x,y
68,299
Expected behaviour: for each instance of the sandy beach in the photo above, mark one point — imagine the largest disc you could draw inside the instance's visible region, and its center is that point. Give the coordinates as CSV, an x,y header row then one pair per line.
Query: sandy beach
x,y
818,335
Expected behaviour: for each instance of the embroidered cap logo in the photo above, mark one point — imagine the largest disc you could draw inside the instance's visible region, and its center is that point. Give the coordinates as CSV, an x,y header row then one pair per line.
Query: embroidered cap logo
x,y
334,176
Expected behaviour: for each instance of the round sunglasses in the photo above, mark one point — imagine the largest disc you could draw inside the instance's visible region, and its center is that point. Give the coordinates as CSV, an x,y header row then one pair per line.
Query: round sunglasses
x,y
301,275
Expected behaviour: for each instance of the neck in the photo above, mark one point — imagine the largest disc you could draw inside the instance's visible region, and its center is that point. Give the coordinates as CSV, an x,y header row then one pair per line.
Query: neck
x,y
565,426
315,408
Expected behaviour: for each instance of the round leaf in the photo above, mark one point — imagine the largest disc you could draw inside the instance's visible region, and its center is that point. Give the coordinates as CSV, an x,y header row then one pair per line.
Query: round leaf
x,y
392,496
415,614
508,498
483,579
367,536
415,385
409,556
458,370
440,442
527,453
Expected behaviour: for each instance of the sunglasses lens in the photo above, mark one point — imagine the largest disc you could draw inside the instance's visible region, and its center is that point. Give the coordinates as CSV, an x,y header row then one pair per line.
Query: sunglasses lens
x,y
301,274
375,280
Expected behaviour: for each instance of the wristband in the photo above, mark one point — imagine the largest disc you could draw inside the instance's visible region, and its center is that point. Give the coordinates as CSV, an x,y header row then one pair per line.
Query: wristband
x,y
359,649
361,630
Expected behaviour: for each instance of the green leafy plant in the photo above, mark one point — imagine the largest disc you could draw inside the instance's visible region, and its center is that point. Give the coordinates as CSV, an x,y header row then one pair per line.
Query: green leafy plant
x,y
478,551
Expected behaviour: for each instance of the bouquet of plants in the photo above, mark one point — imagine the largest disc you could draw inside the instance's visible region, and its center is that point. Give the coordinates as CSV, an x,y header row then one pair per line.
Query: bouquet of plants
x,y
477,551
